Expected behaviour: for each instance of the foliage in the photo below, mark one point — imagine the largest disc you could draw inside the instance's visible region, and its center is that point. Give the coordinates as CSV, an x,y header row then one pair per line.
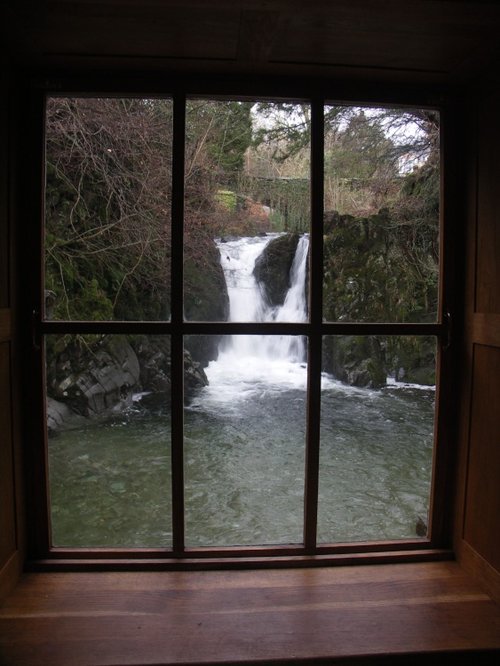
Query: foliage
x,y
108,198
218,135
227,199
381,263
288,200
108,203
107,237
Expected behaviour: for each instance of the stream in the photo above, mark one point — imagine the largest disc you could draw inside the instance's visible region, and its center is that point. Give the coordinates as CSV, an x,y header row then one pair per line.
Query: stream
x,y
244,455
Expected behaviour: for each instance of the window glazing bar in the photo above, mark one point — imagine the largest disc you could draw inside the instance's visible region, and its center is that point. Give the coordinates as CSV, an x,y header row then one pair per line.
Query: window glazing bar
x,y
236,328
176,341
315,317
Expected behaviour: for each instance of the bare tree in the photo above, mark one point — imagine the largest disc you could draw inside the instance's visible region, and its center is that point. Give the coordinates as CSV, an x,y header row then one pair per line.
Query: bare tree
x,y
108,204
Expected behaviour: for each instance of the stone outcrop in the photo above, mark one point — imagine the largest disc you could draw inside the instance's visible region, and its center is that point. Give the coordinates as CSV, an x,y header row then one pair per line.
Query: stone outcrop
x,y
93,378
205,299
153,353
60,416
355,360
272,268
194,376
367,278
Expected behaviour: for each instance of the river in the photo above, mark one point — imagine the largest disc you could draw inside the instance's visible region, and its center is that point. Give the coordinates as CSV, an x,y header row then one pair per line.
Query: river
x,y
245,447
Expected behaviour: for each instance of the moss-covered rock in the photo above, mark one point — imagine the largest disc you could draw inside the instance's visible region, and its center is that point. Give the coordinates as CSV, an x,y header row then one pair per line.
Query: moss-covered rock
x,y
153,352
356,360
272,268
205,299
414,360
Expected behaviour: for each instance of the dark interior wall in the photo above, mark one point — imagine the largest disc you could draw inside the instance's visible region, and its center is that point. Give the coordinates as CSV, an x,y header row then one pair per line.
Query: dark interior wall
x,y
477,536
10,554
478,505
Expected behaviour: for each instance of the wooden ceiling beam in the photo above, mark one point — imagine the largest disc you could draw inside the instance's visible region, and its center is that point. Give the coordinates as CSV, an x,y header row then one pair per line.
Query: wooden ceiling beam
x,y
446,42
257,34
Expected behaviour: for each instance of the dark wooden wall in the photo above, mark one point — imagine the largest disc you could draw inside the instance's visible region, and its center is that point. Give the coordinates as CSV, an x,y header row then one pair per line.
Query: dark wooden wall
x,y
11,560
477,502
477,526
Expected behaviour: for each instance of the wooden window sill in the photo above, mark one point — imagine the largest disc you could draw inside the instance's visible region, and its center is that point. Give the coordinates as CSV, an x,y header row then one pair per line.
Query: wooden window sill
x,y
391,613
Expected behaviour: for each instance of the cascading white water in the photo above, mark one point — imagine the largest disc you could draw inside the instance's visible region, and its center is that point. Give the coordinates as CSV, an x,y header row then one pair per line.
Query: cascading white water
x,y
246,362
294,309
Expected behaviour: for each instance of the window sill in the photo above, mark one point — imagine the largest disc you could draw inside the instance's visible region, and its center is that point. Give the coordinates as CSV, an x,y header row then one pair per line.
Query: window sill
x,y
294,616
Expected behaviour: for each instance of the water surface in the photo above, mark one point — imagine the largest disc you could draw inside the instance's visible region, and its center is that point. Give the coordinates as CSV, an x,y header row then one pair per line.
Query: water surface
x,y
244,445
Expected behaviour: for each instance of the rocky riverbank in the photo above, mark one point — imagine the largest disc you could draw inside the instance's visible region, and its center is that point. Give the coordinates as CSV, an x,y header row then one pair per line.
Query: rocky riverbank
x,y
89,377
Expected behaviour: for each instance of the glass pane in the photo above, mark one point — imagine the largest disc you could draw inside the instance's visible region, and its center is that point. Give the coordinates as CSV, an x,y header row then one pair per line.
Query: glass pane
x,y
382,190
108,418
244,445
377,425
107,209
246,211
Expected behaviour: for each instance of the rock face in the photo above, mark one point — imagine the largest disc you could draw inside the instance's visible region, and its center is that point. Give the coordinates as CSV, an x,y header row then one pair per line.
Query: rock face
x,y
367,278
368,360
90,378
153,353
194,376
415,361
354,360
205,299
60,416
272,268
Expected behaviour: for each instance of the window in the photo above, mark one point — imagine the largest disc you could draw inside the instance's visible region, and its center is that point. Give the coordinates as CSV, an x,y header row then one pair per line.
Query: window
x,y
280,261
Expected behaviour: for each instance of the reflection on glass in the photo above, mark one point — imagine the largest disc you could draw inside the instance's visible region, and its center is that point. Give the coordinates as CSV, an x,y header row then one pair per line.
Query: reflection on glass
x,y
107,208
246,209
381,222
377,424
108,417
244,443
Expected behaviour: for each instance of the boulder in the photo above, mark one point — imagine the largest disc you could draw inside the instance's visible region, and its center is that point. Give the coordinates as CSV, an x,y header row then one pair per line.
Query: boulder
x,y
355,360
205,299
153,353
332,220
92,378
86,379
194,376
414,360
272,268
60,416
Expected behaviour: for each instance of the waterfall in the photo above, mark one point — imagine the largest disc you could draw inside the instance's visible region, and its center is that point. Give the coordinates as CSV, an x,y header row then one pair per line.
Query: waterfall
x,y
247,361
247,304
294,309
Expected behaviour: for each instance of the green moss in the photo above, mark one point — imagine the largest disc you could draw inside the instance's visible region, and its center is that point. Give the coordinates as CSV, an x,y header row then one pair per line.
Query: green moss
x,y
227,199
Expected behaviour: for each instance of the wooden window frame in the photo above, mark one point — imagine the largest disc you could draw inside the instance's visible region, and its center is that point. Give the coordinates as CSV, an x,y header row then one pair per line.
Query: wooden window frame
x,y
40,552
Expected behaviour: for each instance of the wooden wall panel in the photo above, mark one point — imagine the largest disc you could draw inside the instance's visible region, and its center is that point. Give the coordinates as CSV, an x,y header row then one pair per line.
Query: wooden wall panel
x,y
4,239
7,503
482,509
488,208
477,531
11,557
